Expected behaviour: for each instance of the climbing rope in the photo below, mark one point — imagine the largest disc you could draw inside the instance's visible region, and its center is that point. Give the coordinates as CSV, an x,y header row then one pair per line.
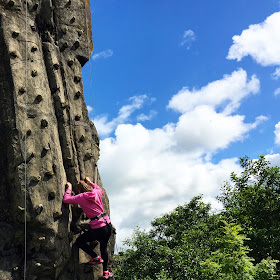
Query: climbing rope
x,y
25,151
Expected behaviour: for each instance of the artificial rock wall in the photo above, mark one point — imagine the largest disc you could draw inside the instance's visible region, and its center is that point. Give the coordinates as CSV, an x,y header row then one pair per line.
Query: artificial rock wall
x,y
46,137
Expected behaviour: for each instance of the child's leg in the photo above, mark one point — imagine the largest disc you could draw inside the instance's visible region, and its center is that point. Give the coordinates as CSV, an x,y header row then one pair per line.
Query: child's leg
x,y
82,241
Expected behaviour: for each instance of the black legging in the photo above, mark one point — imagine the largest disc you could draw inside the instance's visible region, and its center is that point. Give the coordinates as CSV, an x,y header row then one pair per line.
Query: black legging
x,y
100,234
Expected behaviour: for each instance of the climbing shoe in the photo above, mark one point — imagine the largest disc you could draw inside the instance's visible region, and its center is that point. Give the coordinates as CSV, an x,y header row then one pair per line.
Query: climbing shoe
x,y
107,274
95,261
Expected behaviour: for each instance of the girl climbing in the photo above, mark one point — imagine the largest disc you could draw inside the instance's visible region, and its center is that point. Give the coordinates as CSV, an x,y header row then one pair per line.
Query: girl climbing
x,y
89,198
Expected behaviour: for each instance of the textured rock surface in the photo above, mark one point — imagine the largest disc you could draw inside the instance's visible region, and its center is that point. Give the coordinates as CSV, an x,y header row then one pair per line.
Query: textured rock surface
x,y
46,137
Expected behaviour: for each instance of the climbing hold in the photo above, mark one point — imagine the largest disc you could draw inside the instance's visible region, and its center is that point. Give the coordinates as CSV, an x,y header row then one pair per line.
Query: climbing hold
x,y
77,117
88,155
70,62
42,238
39,209
49,173
44,123
82,138
77,95
51,195
21,208
76,44
33,27
35,179
34,73
72,20
28,132
31,115
54,168
68,4
29,157
38,264
56,66
35,7
39,98
77,79
15,268
46,148
80,32
34,49
22,90
15,34
64,105
11,3
64,29
64,46
55,89
13,54
57,214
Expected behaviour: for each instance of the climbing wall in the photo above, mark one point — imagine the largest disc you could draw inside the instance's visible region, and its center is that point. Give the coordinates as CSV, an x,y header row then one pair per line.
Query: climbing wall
x,y
46,137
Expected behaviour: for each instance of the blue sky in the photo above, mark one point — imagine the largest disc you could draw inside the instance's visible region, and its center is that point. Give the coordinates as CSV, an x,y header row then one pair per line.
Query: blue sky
x,y
180,90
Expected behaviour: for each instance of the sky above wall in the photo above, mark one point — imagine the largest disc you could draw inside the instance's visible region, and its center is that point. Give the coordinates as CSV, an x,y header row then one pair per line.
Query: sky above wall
x,y
179,91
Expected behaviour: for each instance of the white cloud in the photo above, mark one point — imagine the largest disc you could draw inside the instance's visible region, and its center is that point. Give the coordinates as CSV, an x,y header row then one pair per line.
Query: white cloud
x,y
144,117
261,41
277,92
147,172
188,38
89,108
105,127
203,130
276,74
227,92
145,178
277,133
274,159
103,54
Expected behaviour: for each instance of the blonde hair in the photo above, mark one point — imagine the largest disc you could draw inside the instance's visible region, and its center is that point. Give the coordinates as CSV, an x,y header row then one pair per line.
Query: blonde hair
x,y
82,186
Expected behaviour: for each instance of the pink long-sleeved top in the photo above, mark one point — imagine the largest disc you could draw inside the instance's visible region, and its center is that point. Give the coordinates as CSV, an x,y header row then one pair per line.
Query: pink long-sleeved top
x,y
91,204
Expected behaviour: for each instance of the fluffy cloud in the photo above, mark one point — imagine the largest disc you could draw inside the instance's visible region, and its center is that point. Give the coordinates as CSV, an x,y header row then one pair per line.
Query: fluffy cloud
x,y
205,131
147,172
103,54
145,178
226,93
261,41
274,159
105,127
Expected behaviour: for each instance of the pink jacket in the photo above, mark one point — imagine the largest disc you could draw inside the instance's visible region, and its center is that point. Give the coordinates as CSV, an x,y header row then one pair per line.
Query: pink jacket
x,y
91,204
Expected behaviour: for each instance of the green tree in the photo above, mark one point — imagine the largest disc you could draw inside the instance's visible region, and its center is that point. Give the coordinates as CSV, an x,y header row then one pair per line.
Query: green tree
x,y
231,262
174,247
253,199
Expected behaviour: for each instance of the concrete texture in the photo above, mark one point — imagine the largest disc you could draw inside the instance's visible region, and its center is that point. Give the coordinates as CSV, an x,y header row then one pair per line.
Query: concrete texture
x,y
46,138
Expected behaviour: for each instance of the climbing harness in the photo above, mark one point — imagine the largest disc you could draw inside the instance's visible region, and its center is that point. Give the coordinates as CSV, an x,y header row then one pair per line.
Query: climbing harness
x,y
100,216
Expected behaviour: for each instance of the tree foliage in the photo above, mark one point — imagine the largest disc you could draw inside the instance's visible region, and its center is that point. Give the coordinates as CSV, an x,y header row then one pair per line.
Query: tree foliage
x,y
253,199
240,243
231,262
